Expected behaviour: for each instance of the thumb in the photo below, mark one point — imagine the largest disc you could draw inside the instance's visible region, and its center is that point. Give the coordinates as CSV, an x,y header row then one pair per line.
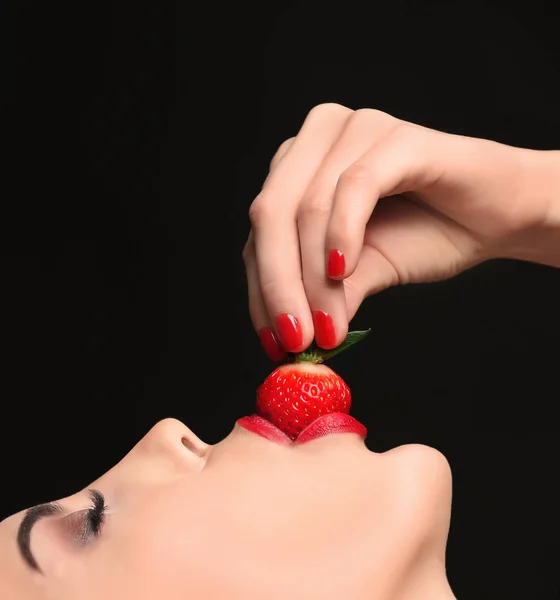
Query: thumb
x,y
404,162
373,274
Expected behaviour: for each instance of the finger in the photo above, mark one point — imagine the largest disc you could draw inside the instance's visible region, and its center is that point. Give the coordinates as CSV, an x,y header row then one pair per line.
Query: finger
x,y
404,243
404,161
373,274
281,152
274,226
326,297
278,156
257,308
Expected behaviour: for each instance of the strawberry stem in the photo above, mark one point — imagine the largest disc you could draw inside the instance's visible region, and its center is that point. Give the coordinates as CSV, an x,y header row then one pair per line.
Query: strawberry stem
x,y
316,355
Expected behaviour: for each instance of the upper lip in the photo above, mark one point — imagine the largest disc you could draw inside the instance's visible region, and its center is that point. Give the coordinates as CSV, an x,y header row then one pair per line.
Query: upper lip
x,y
329,424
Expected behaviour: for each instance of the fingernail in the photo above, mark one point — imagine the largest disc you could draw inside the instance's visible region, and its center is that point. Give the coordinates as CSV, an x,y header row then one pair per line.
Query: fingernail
x,y
289,332
271,346
336,265
325,335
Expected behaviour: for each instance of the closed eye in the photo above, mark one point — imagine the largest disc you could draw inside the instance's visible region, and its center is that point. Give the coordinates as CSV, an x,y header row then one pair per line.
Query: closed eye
x,y
82,525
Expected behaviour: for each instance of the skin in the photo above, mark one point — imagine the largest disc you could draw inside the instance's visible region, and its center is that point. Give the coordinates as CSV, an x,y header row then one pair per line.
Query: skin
x,y
248,518
403,203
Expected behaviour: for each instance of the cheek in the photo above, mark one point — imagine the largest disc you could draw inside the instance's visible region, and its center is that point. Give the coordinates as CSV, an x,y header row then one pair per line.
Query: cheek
x,y
172,536
218,536
211,531
190,541
178,550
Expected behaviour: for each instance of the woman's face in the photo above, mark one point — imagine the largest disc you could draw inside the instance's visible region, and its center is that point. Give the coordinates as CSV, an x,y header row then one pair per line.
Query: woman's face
x,y
246,519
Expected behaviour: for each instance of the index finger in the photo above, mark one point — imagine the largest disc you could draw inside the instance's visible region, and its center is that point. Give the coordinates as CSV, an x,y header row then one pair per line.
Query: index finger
x,y
273,216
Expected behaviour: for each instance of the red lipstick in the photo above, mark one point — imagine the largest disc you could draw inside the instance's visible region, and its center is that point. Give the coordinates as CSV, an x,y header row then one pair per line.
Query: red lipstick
x,y
265,429
325,425
329,425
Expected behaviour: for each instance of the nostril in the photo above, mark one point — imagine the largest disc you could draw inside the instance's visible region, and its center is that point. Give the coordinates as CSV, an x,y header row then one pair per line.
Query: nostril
x,y
192,446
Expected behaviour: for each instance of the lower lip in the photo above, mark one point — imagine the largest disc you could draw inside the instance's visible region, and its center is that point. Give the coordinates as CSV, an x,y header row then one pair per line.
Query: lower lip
x,y
330,424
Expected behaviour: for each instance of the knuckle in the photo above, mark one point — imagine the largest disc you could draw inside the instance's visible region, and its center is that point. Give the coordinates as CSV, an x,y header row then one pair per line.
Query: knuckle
x,y
259,211
356,181
356,175
381,125
328,110
404,137
281,152
313,207
373,115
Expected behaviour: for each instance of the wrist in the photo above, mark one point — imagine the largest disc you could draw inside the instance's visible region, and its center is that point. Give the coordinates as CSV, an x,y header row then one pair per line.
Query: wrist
x,y
539,242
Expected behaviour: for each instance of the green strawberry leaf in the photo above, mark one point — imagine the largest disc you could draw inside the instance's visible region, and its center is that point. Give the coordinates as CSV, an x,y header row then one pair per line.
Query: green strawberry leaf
x,y
315,354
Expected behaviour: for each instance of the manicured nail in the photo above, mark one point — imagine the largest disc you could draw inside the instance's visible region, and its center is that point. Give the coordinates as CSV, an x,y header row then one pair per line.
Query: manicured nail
x,y
271,346
325,335
289,332
336,265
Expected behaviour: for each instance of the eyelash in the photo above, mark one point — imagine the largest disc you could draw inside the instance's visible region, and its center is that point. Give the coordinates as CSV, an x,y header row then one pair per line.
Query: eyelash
x,y
94,517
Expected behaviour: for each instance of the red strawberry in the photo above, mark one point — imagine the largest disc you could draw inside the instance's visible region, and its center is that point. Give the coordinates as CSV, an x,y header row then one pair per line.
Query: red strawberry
x,y
297,393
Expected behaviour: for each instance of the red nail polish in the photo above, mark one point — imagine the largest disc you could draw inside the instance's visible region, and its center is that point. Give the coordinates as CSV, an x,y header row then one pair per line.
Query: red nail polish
x,y
289,332
336,265
271,346
325,335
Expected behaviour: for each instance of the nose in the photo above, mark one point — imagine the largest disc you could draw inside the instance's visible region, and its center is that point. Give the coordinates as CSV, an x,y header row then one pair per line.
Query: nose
x,y
169,450
172,439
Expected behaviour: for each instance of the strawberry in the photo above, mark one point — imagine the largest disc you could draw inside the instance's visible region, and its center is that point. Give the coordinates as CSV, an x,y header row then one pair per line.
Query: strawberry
x,y
298,392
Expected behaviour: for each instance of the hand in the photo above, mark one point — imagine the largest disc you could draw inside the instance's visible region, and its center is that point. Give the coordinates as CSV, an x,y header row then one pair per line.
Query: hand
x,y
359,201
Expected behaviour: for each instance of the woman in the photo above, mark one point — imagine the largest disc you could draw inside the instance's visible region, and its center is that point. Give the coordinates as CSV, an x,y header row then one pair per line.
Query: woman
x,y
246,518
356,202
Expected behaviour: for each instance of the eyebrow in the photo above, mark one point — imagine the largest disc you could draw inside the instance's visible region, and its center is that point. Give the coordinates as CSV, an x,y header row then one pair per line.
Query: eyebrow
x,y
31,518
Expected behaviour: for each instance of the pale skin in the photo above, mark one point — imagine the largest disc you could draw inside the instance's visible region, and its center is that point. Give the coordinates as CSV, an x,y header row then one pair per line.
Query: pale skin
x,y
401,202
250,519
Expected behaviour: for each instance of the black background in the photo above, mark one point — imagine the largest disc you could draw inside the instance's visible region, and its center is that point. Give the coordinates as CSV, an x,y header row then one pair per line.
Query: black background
x,y
134,141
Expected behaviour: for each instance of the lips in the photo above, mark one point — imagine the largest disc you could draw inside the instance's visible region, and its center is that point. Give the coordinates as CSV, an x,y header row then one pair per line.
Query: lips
x,y
325,425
